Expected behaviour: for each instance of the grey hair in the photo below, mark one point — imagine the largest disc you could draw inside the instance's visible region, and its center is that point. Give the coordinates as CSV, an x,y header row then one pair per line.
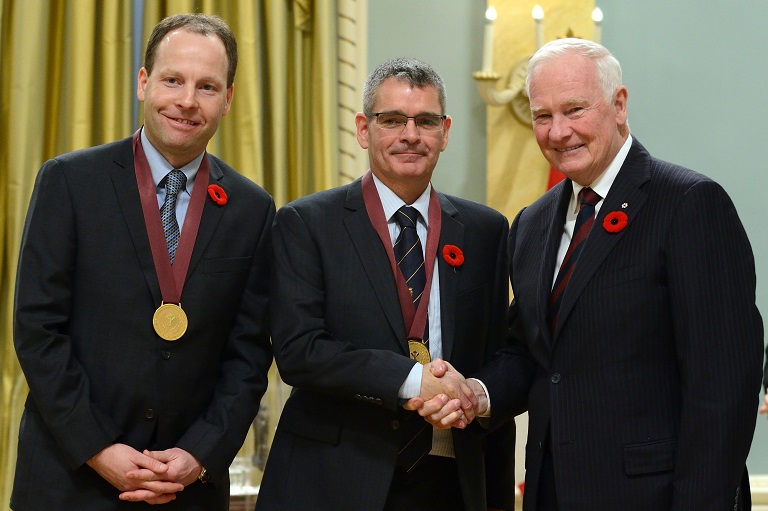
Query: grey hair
x,y
606,65
415,72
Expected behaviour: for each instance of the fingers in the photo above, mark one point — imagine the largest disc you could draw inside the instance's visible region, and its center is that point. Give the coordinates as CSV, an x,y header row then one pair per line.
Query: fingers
x,y
414,403
147,461
450,415
438,367
150,496
443,413
433,406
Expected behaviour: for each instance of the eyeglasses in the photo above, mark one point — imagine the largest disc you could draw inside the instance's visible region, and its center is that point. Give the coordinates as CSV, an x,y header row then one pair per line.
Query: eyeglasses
x,y
393,121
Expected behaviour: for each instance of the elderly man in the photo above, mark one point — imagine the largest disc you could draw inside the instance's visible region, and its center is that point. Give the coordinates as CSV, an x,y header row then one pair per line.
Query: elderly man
x,y
637,343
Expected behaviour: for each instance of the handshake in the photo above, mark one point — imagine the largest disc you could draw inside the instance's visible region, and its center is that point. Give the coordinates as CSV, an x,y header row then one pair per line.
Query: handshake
x,y
448,399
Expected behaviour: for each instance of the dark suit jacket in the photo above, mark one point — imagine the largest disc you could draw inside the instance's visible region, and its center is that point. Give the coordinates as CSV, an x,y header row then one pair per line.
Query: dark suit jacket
x,y
97,372
650,382
339,340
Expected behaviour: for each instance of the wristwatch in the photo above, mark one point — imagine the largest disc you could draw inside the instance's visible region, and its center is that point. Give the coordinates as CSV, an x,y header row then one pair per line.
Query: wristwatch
x,y
204,476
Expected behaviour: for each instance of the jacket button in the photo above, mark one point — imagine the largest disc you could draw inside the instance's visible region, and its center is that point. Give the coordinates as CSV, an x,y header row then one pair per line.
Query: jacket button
x,y
555,378
395,425
165,354
149,414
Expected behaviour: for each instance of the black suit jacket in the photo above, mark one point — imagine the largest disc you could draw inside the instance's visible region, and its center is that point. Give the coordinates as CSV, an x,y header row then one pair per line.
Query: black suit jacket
x,y
650,382
340,341
97,372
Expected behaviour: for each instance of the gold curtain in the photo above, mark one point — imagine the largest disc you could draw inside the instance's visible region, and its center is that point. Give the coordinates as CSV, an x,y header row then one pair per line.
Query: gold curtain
x,y
65,66
70,83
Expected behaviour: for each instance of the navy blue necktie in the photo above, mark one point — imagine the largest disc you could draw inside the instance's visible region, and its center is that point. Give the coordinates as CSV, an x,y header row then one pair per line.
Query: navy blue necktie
x,y
588,199
175,182
417,433
409,254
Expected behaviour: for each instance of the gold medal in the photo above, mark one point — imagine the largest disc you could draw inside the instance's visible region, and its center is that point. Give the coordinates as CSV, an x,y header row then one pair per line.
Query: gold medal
x,y
418,351
170,321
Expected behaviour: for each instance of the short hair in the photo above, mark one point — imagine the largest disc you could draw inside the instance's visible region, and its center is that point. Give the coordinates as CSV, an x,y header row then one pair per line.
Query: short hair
x,y
416,72
196,23
606,65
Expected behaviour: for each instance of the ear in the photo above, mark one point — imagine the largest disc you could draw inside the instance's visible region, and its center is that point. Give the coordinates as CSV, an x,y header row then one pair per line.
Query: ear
x,y
446,129
141,84
620,104
230,93
363,127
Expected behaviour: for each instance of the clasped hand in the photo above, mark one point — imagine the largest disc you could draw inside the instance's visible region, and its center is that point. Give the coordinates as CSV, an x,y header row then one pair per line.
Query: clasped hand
x,y
152,476
447,399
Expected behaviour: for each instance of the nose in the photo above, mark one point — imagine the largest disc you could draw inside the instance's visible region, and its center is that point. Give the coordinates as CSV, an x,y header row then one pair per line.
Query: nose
x,y
560,128
187,96
410,131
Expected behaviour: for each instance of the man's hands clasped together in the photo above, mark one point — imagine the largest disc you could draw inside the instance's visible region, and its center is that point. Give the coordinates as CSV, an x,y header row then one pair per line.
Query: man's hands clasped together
x,y
152,476
447,398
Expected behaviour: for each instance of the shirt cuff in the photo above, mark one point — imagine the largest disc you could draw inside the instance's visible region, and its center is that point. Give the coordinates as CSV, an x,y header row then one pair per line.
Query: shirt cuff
x,y
411,387
487,413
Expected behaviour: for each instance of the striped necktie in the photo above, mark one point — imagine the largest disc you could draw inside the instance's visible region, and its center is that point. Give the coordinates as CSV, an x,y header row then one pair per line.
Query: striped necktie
x,y
584,220
416,439
410,256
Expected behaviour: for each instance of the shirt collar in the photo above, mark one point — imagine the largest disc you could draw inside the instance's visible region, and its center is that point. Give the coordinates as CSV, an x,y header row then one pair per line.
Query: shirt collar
x,y
391,202
160,166
602,184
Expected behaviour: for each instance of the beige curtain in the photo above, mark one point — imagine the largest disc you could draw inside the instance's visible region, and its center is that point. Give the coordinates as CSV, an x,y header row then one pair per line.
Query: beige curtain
x,y
69,83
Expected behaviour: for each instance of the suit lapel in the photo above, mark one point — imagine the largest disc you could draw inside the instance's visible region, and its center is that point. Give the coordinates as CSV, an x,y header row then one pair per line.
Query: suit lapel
x,y
374,260
625,195
551,229
451,233
126,188
212,214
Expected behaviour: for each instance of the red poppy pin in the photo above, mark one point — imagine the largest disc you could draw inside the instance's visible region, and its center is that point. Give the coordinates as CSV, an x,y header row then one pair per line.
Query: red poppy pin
x,y
615,221
453,255
218,194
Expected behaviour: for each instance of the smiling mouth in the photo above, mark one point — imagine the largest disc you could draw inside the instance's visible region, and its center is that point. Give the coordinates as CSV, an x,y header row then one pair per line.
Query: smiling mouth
x,y
569,149
183,121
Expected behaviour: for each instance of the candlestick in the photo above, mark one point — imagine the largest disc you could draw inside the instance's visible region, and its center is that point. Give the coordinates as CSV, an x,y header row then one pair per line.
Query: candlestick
x,y
490,16
597,17
538,15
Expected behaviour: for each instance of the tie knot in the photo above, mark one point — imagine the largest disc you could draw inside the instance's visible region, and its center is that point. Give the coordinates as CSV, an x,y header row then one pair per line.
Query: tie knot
x,y
589,196
175,181
406,216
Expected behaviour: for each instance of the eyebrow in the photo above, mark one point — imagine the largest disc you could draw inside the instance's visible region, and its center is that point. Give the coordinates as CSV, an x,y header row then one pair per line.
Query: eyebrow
x,y
569,103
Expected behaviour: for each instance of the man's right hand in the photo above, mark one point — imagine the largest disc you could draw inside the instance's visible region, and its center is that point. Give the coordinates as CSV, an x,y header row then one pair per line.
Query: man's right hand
x,y
455,408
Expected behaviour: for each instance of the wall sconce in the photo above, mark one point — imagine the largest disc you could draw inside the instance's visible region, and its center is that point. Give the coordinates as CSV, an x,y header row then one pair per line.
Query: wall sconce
x,y
514,93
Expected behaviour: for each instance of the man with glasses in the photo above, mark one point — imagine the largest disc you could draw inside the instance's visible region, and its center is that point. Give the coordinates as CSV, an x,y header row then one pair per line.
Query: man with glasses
x,y
374,282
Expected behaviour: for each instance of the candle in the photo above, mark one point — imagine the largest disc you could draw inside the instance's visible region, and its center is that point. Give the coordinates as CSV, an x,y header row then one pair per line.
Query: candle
x,y
597,17
538,15
490,16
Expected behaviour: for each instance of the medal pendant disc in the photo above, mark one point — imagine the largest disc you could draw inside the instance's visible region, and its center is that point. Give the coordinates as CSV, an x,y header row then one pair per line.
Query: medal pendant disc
x,y
418,351
170,321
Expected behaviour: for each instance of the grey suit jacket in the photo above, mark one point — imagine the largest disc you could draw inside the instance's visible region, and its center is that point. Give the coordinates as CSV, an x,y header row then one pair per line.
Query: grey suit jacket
x,y
340,341
650,381
97,372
